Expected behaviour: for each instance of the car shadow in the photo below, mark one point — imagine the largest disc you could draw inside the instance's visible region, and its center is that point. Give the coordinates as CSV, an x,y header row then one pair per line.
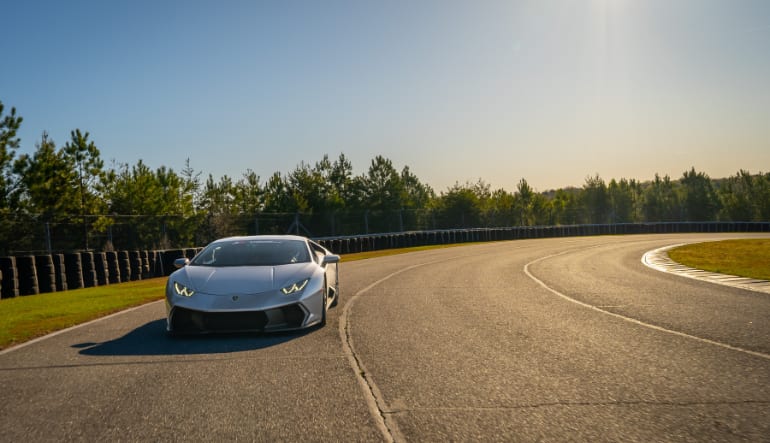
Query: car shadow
x,y
151,339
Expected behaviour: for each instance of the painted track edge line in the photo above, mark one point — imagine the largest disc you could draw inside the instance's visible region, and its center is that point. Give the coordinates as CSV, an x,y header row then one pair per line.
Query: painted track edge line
x,y
378,409
659,260
372,394
72,328
633,320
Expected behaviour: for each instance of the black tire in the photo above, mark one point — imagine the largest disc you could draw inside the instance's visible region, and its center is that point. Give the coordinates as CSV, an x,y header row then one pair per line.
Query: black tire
x,y
336,297
323,307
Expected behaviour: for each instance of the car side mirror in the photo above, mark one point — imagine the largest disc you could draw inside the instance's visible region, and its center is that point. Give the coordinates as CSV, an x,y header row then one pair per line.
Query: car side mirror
x,y
181,262
330,258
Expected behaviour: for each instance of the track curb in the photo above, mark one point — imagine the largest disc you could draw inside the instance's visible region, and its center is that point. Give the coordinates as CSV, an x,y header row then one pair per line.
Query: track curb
x,y
659,260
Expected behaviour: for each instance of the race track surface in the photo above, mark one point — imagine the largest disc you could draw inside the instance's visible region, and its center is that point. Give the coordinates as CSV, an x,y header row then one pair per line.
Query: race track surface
x,y
570,339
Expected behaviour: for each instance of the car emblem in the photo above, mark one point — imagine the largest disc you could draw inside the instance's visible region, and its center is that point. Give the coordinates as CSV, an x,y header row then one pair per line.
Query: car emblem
x,y
235,298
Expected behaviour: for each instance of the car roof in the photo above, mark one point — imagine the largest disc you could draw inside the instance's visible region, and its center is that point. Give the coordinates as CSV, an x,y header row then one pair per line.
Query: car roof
x,y
262,237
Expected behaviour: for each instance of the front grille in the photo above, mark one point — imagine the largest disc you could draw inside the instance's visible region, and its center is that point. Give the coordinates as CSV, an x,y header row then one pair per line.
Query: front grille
x,y
190,321
289,317
187,320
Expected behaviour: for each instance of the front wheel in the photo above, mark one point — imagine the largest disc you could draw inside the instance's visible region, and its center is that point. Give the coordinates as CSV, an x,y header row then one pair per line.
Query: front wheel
x,y
323,306
336,297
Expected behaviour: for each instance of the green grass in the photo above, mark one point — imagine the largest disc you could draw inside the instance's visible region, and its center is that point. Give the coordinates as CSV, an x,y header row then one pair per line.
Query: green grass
x,y
387,252
27,317
745,258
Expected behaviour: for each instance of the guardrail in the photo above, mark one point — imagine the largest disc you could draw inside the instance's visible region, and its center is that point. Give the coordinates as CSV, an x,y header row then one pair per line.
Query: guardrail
x,y
35,274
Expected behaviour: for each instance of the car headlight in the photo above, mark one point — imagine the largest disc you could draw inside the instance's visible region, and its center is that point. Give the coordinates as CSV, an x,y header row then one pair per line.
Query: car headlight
x,y
183,290
296,287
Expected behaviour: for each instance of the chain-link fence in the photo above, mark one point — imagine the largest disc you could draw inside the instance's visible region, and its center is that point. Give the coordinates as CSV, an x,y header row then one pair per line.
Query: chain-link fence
x,y
21,234
34,234
31,273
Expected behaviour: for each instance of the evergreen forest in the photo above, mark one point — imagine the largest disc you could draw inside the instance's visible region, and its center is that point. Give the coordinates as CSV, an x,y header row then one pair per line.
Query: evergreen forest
x,y
62,198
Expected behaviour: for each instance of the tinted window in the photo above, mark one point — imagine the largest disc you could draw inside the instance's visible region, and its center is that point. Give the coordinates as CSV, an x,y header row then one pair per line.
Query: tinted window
x,y
253,253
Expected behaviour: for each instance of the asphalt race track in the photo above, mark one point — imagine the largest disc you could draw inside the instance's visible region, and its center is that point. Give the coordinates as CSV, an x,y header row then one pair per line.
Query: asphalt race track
x,y
570,339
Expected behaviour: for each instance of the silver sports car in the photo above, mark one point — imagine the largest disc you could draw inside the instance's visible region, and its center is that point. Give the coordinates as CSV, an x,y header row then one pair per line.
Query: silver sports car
x,y
257,283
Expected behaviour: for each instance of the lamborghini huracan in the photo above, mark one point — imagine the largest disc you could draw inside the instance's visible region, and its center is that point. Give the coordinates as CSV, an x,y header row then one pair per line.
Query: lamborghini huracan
x,y
256,283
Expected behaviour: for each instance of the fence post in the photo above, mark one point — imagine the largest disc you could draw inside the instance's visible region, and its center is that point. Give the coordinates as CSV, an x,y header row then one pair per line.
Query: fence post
x,y
48,237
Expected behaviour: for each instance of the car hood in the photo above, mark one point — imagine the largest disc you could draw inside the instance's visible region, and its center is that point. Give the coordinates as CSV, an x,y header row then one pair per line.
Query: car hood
x,y
243,279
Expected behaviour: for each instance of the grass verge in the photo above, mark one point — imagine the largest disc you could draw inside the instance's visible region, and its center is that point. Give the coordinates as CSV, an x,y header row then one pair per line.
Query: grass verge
x,y
387,252
28,317
745,258
25,318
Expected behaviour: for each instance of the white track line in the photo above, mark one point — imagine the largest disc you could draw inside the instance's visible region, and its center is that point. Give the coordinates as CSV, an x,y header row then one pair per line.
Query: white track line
x,y
72,328
378,409
659,260
633,320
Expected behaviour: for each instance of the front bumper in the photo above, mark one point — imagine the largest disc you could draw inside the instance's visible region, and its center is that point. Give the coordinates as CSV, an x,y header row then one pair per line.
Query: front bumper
x,y
190,321
266,312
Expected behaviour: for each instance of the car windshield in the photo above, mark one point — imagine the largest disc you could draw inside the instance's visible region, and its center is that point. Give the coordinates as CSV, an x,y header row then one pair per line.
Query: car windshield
x,y
253,253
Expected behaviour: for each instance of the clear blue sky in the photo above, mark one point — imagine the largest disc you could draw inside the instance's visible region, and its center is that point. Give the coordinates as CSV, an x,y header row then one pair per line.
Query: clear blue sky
x,y
550,91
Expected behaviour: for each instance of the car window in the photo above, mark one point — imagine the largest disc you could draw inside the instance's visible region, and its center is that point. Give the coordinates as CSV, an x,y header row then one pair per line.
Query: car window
x,y
318,251
253,253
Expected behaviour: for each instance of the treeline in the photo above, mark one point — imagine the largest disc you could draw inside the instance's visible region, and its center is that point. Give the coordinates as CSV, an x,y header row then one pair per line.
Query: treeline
x,y
64,198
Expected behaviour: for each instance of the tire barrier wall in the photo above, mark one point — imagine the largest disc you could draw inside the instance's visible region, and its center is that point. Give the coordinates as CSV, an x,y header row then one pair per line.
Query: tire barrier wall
x,y
135,261
102,268
125,266
10,281
73,264
27,275
61,272
373,242
88,269
28,285
46,273
113,266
